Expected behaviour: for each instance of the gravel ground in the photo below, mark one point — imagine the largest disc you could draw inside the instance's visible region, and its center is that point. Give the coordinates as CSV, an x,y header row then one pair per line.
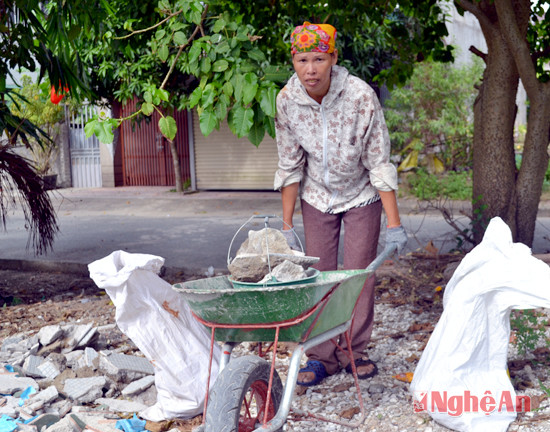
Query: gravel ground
x,y
407,309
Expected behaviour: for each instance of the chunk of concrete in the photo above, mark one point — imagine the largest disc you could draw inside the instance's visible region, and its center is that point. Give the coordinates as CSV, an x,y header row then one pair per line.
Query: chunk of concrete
x,y
10,384
85,390
138,386
119,405
116,363
49,334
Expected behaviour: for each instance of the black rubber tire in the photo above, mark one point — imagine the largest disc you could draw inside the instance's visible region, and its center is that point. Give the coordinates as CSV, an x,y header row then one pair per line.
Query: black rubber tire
x,y
225,400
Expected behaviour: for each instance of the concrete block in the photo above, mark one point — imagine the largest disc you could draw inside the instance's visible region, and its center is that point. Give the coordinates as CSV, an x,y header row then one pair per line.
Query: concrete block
x,y
48,369
116,363
30,366
50,334
119,405
138,386
10,384
85,389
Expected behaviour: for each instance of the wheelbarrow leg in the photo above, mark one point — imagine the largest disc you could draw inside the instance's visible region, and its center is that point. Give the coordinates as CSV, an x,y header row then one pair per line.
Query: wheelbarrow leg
x,y
227,349
277,422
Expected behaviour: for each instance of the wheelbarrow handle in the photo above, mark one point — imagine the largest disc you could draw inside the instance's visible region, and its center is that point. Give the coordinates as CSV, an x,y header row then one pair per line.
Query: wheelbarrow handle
x,y
386,253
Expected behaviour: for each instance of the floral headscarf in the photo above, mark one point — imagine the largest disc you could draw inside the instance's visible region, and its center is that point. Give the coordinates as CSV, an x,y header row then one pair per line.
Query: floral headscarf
x,y
313,38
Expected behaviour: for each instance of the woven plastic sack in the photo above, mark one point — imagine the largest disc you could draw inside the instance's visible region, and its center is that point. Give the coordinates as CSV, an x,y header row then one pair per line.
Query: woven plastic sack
x,y
462,378
159,322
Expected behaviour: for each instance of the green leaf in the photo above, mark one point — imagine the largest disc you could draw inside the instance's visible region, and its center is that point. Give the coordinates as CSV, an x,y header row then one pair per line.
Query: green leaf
x,y
257,55
90,127
208,95
208,121
168,127
160,34
103,131
162,94
218,25
206,65
269,124
276,73
221,109
256,134
238,86
228,89
148,97
220,65
195,52
147,108
241,120
163,53
268,101
250,88
179,38
195,97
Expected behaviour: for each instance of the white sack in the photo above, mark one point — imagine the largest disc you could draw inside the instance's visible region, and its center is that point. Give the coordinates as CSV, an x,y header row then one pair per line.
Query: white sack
x,y
159,322
467,351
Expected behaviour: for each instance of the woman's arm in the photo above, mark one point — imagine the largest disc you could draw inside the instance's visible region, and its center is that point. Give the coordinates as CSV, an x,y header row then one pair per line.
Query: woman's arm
x,y
389,202
289,194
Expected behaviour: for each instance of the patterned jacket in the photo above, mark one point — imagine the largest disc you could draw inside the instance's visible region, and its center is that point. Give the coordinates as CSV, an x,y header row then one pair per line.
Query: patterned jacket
x,y
339,150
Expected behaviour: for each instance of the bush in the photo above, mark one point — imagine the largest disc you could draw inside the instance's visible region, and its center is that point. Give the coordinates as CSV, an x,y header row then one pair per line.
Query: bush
x,y
451,185
430,120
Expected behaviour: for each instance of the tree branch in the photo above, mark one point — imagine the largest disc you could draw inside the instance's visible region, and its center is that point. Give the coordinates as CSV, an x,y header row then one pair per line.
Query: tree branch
x,y
518,46
475,10
182,47
478,53
135,32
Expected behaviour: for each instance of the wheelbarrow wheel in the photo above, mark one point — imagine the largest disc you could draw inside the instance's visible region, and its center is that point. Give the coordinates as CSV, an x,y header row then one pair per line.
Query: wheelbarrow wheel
x,y
238,398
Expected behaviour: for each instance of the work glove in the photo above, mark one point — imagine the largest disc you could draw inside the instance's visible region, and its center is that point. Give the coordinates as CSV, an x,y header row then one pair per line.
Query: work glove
x,y
292,239
397,236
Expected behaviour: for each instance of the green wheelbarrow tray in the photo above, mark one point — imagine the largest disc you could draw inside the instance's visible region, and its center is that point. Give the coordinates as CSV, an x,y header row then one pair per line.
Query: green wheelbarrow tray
x,y
215,301
333,294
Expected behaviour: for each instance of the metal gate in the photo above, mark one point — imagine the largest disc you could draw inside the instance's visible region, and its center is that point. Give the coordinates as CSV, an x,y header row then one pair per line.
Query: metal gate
x,y
85,160
146,155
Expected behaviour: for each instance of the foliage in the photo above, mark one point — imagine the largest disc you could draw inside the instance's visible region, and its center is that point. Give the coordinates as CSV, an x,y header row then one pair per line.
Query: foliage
x,y
36,36
529,327
36,107
431,118
451,185
21,185
229,58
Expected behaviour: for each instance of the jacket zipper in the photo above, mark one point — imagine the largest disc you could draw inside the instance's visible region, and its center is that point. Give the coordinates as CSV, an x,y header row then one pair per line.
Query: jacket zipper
x,y
325,157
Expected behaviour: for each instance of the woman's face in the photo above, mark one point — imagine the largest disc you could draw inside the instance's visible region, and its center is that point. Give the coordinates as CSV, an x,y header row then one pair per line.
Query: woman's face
x,y
313,70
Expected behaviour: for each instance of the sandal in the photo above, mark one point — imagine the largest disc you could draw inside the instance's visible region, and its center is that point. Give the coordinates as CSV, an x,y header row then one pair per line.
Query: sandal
x,y
318,370
363,362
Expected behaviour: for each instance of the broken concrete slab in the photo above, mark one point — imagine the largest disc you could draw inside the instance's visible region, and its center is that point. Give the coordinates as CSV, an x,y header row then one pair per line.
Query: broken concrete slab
x,y
85,390
10,384
49,334
123,406
138,386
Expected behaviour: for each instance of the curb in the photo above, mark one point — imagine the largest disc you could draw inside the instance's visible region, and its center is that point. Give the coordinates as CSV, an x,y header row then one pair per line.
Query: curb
x,y
80,269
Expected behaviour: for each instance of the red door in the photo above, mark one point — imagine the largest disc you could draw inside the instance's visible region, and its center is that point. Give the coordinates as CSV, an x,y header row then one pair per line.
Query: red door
x,y
146,155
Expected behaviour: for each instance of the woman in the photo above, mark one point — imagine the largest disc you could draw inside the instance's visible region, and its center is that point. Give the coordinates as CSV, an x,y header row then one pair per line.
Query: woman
x,y
334,151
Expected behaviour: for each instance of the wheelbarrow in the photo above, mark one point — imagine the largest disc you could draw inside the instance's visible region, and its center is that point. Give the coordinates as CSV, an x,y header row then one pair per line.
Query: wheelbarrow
x,y
248,394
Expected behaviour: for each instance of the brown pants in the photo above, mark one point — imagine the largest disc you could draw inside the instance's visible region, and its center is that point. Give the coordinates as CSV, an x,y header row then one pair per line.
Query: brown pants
x,y
361,232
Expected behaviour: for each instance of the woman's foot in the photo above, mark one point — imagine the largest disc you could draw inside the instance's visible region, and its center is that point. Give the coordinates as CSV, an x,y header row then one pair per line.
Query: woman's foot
x,y
312,374
365,368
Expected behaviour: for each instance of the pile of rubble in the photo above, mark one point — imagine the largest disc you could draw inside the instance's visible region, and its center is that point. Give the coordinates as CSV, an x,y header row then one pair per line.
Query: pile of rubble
x,y
67,378
265,256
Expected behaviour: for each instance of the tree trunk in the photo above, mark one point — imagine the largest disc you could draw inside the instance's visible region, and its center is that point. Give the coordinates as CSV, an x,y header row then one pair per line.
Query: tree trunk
x,y
499,188
494,170
533,169
177,167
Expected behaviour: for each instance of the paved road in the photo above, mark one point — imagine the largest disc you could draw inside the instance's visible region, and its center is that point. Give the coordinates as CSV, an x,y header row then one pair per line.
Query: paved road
x,y
191,231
